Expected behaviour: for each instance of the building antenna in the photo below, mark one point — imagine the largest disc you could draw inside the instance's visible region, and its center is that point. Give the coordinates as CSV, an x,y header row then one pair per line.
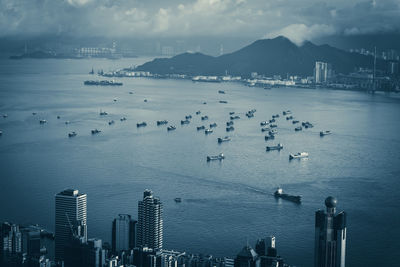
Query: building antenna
x,y
374,74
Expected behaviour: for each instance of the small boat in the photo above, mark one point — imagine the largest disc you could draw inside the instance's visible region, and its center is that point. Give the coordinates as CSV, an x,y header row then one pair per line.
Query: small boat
x,y
198,112
171,128
289,118
178,200
279,194
323,133
201,127
145,100
295,121
103,113
269,137
5,115
1,132
307,124
250,114
208,131
265,129
72,134
131,93
273,132
273,126
218,157
58,117
213,125
230,128
287,112
34,113
223,101
142,124
111,122
275,116
66,122
115,100
42,121
123,119
204,103
224,139
221,92
298,155
203,118
229,123
162,122
95,131
299,128
188,117
272,120
232,112
235,117
277,147
185,122
263,123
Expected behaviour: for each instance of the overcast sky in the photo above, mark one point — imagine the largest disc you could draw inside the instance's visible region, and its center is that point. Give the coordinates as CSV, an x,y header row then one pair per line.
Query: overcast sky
x,y
296,19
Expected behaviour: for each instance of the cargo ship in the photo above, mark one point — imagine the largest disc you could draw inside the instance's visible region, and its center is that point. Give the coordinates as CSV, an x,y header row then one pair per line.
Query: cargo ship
x,y
103,83
279,194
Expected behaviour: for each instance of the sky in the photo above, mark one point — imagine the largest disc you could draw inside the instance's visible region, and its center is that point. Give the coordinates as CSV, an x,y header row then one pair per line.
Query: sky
x,y
299,20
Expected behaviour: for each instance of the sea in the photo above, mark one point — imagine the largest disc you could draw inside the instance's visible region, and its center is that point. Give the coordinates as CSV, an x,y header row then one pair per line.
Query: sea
x,y
225,204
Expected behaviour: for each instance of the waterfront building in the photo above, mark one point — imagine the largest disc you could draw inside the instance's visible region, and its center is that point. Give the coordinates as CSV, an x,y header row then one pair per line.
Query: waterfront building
x,y
247,257
10,245
123,233
150,222
321,72
70,219
330,236
84,254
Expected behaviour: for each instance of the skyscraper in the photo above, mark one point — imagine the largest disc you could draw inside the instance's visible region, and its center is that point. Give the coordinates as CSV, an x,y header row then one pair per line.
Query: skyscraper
x,y
321,72
123,233
70,219
150,222
330,236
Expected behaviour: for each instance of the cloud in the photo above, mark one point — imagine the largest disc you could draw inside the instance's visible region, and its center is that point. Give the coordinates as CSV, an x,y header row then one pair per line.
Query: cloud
x,y
298,33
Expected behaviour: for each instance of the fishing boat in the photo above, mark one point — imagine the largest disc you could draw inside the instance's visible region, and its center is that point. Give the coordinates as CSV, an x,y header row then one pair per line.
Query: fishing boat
x,y
299,128
42,121
111,122
229,123
213,125
269,137
298,155
141,124
171,128
95,131
185,122
224,139
277,147
202,127
218,157
123,119
162,122
208,131
230,128
72,134
323,133
203,118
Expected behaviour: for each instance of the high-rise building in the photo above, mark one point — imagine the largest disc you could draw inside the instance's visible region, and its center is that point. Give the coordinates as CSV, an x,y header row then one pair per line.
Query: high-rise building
x,y
150,222
70,220
123,233
321,72
87,254
247,257
330,236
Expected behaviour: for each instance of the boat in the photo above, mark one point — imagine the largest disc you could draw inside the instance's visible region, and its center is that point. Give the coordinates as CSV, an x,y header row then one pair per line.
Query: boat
x,y
224,139
142,124
279,194
295,121
307,124
92,71
178,200
277,147
235,117
213,125
218,157
204,103
95,131
34,113
188,117
273,126
102,83
208,131
269,137
287,112
273,132
229,123
299,128
271,120
171,128
1,132
42,121
123,119
162,122
230,128
203,118
111,122
275,116
145,100
201,127
223,101
66,122
298,155
185,122
265,129
289,118
5,115
72,134
58,117
103,113
232,112
198,112
250,114
221,92
323,133
263,123
115,100
131,93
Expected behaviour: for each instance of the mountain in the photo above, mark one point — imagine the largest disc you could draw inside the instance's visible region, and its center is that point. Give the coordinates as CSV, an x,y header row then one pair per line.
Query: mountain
x,y
278,56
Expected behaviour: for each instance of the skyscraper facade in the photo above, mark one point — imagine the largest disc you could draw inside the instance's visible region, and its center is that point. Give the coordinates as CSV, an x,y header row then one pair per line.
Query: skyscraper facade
x,y
321,72
330,236
70,219
123,233
150,222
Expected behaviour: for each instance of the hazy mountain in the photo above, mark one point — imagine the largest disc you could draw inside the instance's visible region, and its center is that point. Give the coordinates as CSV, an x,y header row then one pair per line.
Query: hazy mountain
x,y
278,56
